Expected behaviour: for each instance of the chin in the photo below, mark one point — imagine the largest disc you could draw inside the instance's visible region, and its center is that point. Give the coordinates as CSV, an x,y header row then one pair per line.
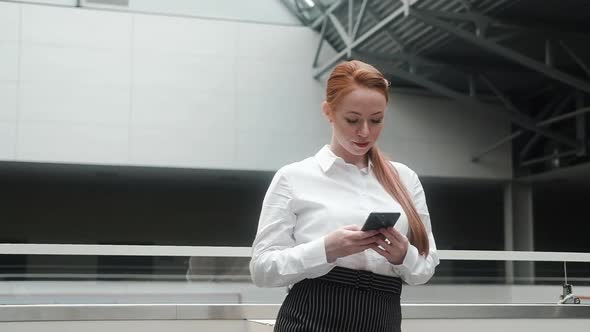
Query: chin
x,y
359,151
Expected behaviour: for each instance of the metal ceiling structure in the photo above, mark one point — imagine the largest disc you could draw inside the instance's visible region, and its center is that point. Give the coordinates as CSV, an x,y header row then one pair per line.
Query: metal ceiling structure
x,y
531,58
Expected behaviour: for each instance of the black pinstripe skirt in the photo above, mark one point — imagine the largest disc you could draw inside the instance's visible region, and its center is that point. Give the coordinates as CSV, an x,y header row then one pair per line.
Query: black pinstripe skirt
x,y
342,300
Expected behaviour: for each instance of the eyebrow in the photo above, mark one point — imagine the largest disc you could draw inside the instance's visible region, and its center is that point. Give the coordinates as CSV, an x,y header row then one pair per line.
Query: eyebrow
x,y
357,113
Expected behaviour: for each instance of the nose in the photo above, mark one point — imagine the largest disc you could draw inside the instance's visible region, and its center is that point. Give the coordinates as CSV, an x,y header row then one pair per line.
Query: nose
x,y
364,129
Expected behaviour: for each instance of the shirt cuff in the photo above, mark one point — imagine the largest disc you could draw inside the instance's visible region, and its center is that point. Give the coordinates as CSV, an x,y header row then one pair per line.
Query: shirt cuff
x,y
314,253
409,261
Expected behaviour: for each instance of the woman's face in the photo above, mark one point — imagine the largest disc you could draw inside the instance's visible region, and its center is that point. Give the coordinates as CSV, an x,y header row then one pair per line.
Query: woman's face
x,y
356,122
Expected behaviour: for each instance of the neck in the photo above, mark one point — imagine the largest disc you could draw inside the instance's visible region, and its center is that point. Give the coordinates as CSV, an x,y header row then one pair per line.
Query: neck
x,y
361,161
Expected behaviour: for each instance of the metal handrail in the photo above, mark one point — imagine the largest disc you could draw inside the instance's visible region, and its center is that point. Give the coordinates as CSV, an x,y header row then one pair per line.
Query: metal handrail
x,y
214,251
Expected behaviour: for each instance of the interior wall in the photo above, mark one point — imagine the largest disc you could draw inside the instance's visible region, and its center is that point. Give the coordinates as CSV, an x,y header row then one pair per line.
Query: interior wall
x,y
153,90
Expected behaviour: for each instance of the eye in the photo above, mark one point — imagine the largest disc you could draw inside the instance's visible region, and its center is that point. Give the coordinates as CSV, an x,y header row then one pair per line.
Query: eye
x,y
351,121
377,120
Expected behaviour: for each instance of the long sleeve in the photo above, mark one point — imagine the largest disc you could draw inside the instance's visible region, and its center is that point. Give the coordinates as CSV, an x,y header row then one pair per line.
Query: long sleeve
x,y
276,259
417,269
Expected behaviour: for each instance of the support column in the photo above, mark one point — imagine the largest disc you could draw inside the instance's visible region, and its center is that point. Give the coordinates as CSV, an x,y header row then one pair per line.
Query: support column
x,y
508,233
519,229
581,124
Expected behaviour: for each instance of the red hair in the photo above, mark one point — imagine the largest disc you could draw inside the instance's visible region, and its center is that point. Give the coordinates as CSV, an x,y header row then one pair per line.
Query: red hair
x,y
346,77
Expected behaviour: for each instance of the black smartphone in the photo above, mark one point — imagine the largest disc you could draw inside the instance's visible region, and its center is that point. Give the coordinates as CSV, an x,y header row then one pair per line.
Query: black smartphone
x,y
377,220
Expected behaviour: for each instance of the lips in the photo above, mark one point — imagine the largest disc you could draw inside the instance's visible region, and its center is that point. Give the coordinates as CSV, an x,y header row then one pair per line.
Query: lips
x,y
361,145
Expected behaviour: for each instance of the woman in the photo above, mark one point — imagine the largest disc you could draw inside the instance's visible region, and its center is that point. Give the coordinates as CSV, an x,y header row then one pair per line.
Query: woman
x,y
344,279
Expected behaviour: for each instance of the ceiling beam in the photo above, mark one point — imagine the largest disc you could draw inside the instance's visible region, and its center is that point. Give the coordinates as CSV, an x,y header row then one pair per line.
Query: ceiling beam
x,y
548,108
518,118
319,71
502,51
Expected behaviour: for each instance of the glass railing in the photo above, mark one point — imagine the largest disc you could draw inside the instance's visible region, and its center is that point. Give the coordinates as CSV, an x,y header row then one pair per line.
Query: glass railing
x,y
61,273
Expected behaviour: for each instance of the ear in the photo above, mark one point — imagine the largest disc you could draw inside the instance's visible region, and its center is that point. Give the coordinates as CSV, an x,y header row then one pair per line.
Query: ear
x,y
328,112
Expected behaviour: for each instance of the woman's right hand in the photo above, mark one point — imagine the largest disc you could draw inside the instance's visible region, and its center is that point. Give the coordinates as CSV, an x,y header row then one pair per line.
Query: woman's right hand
x,y
349,240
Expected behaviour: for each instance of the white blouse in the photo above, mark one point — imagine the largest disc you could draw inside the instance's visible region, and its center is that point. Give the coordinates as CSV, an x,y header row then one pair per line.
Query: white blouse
x,y
311,198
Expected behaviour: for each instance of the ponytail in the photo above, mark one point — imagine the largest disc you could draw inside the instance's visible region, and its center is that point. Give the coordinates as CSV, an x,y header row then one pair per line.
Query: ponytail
x,y
389,178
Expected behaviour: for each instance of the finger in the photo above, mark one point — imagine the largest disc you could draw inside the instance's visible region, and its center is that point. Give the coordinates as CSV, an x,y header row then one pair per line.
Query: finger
x,y
378,247
384,244
388,232
372,239
380,252
399,236
396,236
352,227
361,248
363,235
387,237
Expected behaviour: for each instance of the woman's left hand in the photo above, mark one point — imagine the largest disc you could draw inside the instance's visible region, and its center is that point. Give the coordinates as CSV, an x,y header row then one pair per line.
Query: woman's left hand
x,y
394,244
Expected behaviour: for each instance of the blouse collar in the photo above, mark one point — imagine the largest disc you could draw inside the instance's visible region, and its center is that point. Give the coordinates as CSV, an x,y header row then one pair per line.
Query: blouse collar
x,y
327,158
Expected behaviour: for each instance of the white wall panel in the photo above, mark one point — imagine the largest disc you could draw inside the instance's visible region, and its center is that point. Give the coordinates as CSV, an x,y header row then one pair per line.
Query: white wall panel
x,y
438,137
70,103
8,98
7,140
271,114
42,63
262,11
70,3
202,74
295,46
75,27
276,80
8,60
265,150
179,35
211,147
439,120
156,107
9,21
59,142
